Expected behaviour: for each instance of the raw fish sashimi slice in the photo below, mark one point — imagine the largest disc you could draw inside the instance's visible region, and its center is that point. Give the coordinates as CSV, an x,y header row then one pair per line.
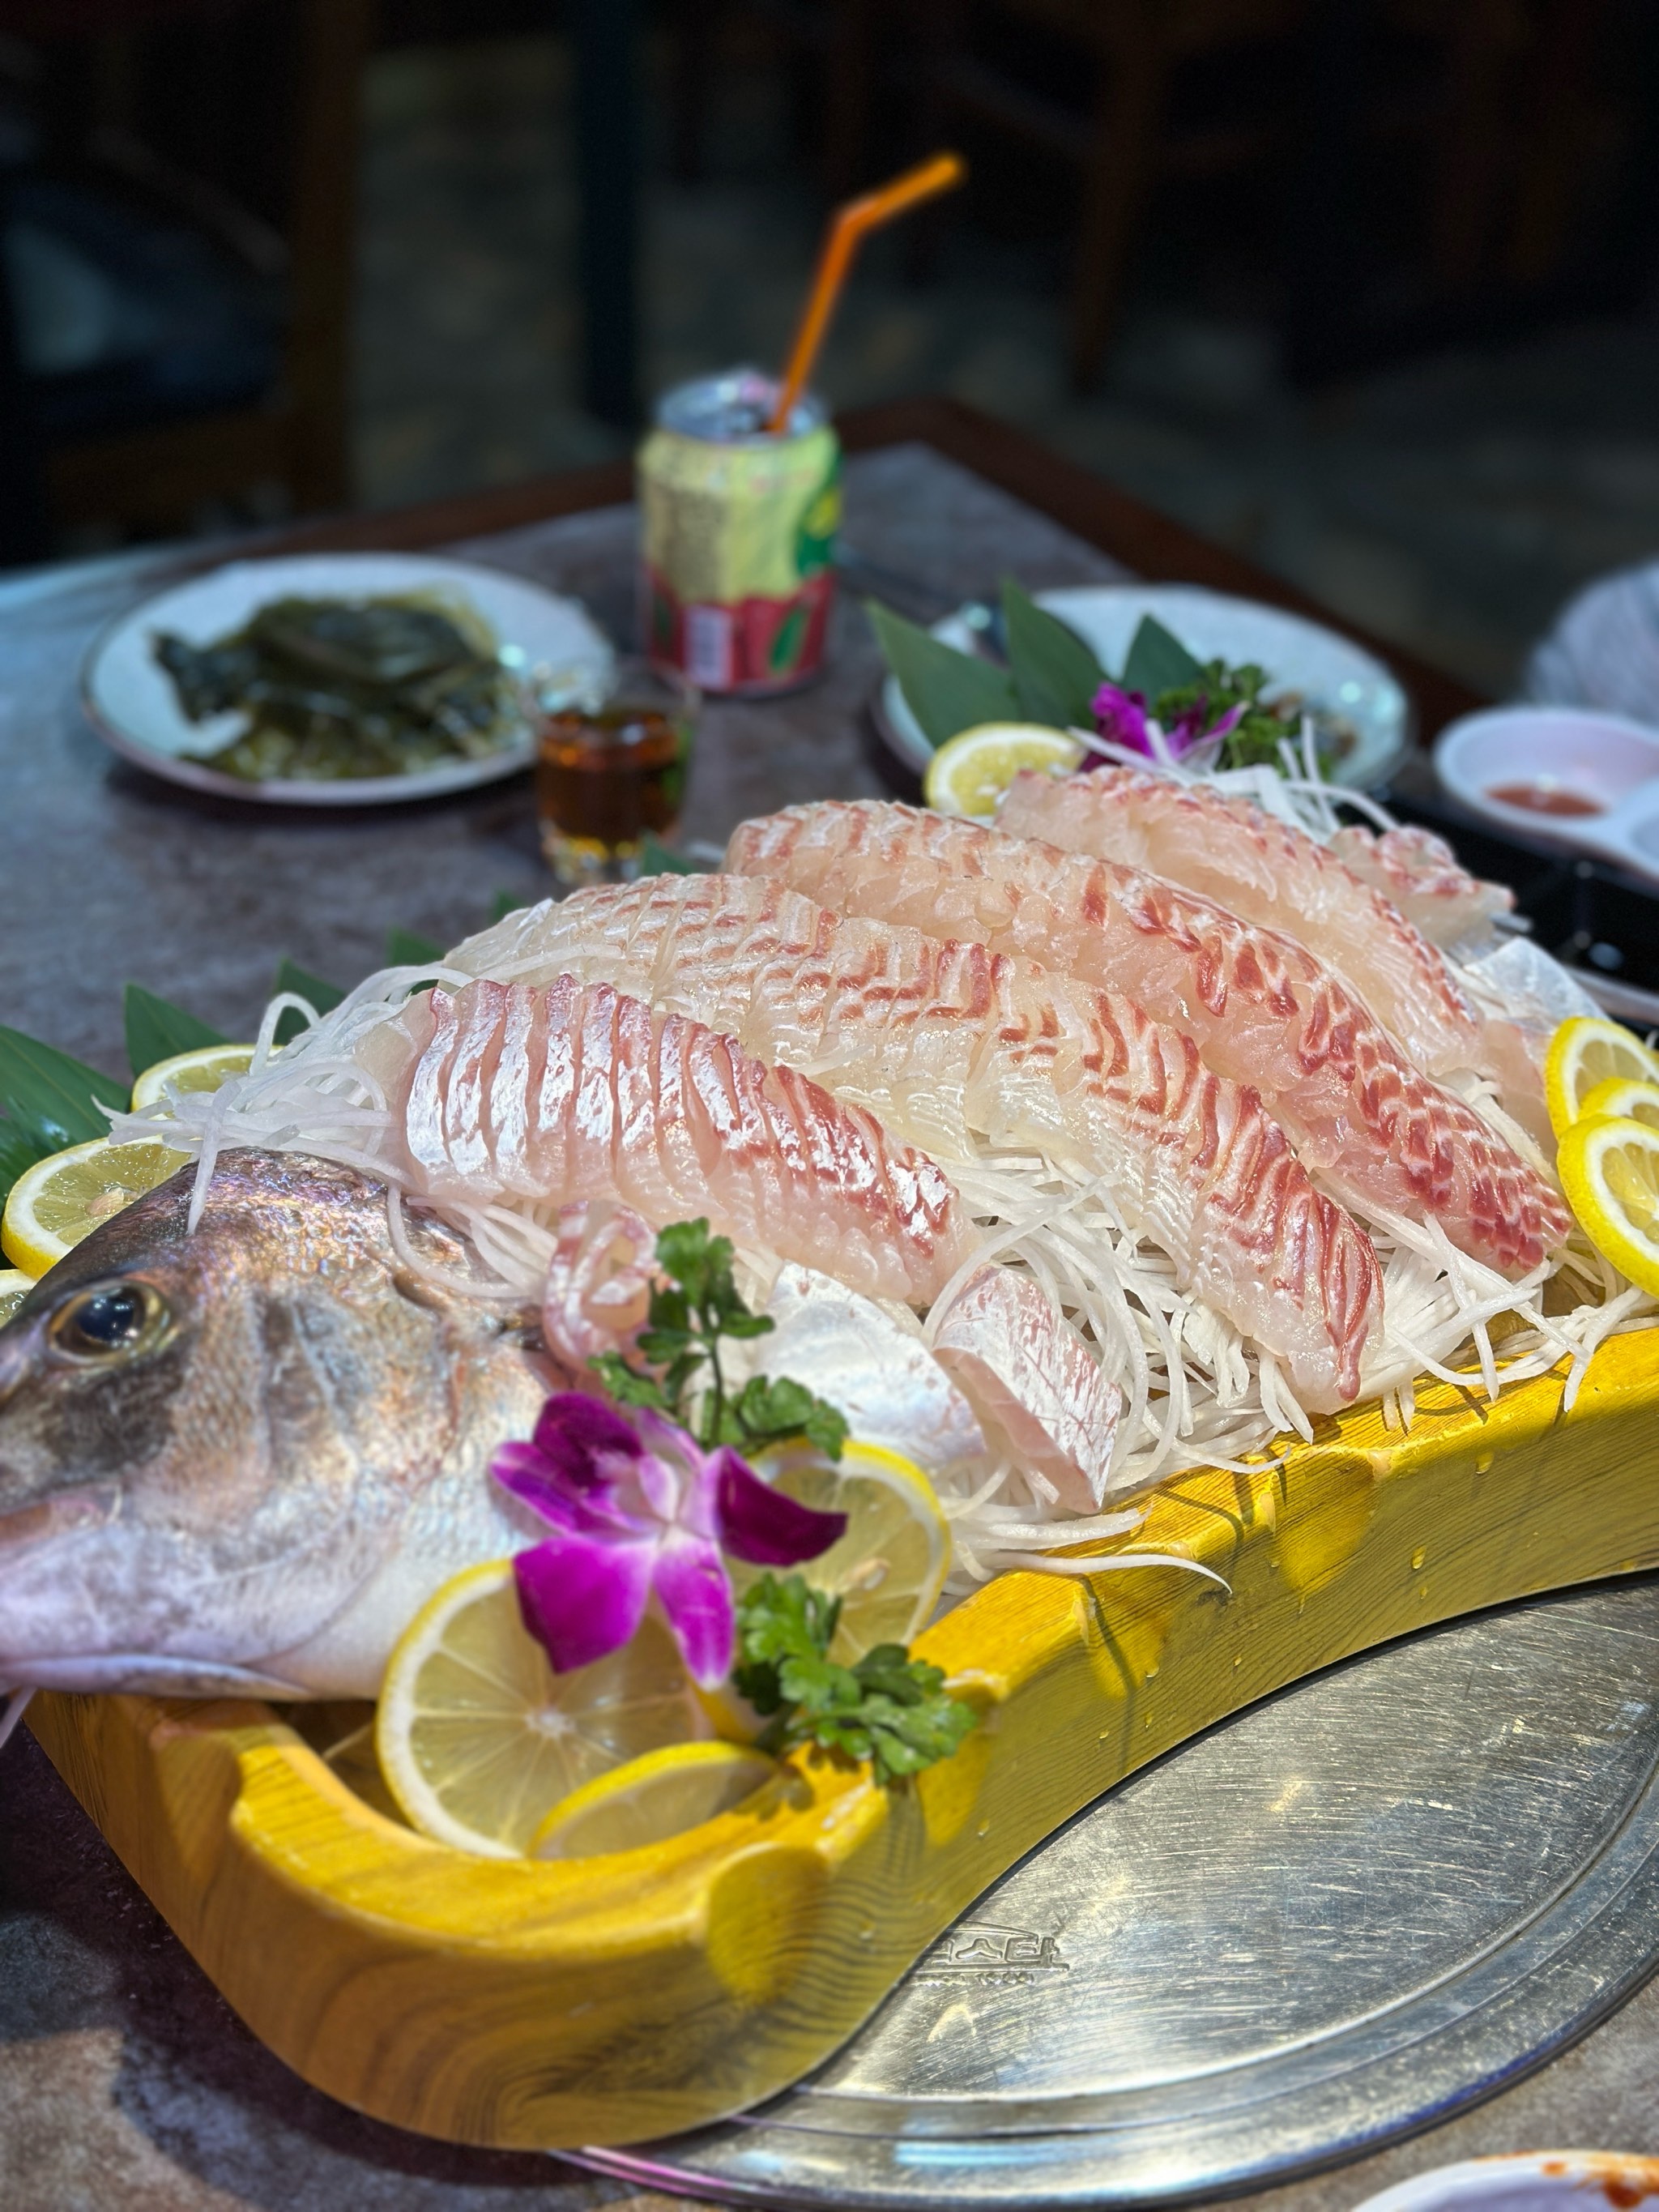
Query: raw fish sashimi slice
x,y
569,1093
1033,1379
1260,1007
1266,872
1425,878
959,1049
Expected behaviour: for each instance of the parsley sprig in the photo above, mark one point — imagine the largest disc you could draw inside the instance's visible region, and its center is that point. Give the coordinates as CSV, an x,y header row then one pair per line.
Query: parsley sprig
x,y
888,1708
689,1314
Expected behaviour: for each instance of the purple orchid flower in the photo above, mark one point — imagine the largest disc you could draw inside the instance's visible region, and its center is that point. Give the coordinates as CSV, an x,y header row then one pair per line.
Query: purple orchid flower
x,y
1121,716
639,1509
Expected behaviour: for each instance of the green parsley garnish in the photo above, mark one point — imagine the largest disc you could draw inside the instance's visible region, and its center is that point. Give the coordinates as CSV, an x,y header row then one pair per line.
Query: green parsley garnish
x,y
681,1345
888,1708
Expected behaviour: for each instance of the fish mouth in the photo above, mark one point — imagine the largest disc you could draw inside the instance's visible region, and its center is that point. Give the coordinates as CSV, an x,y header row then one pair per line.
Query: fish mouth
x,y
67,1513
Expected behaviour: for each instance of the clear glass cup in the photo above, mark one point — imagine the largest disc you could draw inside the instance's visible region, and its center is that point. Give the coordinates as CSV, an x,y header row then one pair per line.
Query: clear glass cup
x,y
611,771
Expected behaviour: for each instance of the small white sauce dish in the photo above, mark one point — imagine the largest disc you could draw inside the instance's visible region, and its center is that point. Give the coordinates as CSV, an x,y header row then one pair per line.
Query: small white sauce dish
x,y
1590,781
1527,2181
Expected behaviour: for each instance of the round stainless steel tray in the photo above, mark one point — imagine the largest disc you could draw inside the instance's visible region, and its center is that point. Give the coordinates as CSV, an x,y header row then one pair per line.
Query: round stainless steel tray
x,y
1337,1917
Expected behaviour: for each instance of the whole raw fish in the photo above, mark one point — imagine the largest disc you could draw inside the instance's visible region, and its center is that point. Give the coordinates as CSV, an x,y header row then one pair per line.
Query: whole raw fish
x,y
240,1460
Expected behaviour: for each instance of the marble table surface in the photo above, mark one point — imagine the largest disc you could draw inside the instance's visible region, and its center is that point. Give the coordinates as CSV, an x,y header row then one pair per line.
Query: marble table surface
x,y
126,2084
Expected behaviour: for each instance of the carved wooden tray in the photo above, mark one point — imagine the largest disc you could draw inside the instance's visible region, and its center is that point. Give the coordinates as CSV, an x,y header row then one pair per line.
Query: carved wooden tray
x,y
614,2000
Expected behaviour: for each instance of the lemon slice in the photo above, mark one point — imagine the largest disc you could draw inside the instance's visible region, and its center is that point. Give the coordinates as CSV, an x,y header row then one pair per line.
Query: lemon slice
x,y
890,1566
477,1737
1586,1051
205,1069
969,772
59,1200
15,1287
1626,1099
1610,1171
652,1798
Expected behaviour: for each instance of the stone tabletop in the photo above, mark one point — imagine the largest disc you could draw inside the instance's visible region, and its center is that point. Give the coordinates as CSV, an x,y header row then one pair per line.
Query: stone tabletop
x,y
126,2084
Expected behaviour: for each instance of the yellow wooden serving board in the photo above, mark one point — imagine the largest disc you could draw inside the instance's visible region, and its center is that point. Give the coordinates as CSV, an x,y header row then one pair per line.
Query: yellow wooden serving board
x,y
610,2000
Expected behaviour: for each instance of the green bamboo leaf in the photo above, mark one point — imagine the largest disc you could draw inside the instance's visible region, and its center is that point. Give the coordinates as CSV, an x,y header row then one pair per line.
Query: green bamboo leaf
x,y
1054,672
157,1030
1157,662
324,997
404,949
19,1150
53,1099
945,689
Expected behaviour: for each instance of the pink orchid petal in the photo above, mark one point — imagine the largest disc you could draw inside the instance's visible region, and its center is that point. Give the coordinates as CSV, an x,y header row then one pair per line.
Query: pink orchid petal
x,y
760,1524
577,1432
1121,716
527,1472
696,1599
582,1598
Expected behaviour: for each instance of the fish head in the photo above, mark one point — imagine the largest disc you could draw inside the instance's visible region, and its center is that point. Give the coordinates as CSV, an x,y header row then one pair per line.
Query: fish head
x,y
208,1438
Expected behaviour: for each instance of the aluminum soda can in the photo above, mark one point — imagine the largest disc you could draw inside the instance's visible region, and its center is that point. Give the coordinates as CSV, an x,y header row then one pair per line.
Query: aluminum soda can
x,y
738,531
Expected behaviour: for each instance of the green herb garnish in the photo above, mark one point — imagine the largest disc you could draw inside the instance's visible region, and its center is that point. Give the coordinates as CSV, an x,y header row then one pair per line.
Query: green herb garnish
x,y
887,1708
686,1318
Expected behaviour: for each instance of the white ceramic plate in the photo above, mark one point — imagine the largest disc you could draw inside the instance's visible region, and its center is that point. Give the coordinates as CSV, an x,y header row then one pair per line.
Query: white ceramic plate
x,y
1299,656
130,701
1528,2181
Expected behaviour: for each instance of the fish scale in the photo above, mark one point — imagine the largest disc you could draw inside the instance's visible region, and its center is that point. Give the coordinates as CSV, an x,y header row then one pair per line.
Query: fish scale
x,y
960,1049
1260,1007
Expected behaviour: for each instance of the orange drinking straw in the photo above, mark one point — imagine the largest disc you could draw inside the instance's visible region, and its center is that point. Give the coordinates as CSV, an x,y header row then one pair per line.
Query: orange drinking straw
x,y
846,234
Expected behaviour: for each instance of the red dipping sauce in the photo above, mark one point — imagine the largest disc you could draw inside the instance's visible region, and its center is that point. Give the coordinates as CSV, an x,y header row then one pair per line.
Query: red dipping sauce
x,y
1544,799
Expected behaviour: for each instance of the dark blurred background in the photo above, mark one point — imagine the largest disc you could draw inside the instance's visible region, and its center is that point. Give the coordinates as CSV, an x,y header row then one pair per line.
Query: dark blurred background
x,y
1366,288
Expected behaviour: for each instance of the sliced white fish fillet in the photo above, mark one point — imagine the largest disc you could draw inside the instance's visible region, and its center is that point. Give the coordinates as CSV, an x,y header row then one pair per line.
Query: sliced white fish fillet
x,y
963,1050
869,1366
1426,880
1260,1007
1266,872
1033,1381
570,1092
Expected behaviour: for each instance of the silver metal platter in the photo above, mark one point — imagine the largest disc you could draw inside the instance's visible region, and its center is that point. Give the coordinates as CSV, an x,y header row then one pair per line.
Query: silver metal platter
x,y
1376,1898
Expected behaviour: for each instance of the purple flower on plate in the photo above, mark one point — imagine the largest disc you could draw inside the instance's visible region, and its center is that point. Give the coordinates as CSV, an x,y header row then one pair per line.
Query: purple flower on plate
x,y
1121,716
638,1509
1193,728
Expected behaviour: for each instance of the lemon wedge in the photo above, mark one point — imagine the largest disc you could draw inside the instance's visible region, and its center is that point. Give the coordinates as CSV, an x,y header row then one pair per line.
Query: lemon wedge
x,y
887,1568
1626,1099
59,1200
1609,1170
652,1798
15,1287
205,1069
1584,1052
478,1739
970,771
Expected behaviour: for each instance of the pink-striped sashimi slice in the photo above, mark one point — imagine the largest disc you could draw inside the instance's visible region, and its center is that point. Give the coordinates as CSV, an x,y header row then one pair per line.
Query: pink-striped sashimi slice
x,y
1426,880
1032,1381
1260,1007
1266,872
572,1092
962,1050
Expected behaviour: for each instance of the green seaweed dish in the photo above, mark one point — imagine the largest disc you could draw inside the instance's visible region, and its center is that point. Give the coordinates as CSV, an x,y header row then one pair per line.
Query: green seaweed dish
x,y
336,688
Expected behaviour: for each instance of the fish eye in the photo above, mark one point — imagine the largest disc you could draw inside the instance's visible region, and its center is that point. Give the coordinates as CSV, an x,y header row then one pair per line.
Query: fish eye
x,y
110,1321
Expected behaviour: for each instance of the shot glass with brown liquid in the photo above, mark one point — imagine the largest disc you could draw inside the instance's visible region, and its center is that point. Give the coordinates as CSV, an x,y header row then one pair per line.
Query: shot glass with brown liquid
x,y
612,770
